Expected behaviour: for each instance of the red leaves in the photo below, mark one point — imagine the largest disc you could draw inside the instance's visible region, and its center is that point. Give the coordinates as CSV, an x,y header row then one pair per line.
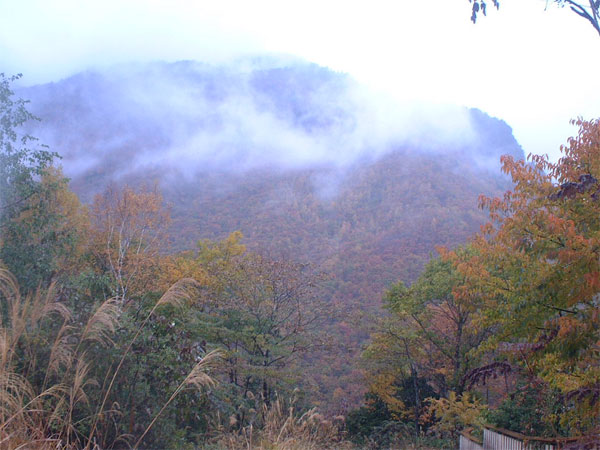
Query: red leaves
x,y
538,265
590,393
592,279
587,182
481,375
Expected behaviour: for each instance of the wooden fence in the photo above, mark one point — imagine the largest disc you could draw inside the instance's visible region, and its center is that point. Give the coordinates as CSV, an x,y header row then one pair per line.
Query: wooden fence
x,y
469,442
500,439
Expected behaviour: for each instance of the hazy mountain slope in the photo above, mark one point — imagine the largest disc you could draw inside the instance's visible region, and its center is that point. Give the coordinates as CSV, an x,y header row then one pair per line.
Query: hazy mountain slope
x,y
302,160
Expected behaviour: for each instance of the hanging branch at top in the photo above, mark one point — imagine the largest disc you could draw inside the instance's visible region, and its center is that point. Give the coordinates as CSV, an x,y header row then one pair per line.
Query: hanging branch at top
x,y
589,11
480,6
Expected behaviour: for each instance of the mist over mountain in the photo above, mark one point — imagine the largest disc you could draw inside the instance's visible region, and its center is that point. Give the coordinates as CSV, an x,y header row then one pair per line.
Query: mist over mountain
x,y
195,118
304,161
277,147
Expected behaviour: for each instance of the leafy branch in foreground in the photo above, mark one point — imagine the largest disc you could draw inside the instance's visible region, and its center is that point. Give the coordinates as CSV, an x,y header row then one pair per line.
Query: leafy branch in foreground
x,y
536,268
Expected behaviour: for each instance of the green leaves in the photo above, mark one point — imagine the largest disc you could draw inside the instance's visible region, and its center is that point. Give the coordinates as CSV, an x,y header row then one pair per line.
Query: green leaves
x,y
20,166
30,225
536,270
428,334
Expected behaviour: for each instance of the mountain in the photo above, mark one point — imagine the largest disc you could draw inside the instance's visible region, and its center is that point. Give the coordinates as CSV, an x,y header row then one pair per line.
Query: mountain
x,y
303,160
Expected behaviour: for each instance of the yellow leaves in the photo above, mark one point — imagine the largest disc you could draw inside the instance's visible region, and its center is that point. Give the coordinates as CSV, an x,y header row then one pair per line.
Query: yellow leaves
x,y
184,265
567,325
455,413
383,386
48,230
442,370
215,261
550,369
221,252
128,231
67,204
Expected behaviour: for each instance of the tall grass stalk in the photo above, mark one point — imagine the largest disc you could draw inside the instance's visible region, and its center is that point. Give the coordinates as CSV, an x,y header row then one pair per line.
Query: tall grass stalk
x,y
197,378
177,294
285,429
42,414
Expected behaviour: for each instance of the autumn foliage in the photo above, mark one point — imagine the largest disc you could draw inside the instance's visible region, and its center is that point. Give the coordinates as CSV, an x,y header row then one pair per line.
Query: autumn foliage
x,y
535,270
110,337
506,330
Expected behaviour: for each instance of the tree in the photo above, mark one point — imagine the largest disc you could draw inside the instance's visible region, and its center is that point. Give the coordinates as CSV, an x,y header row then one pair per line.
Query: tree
x,y
394,370
441,322
481,6
265,312
35,232
536,271
128,229
20,166
46,240
589,11
428,335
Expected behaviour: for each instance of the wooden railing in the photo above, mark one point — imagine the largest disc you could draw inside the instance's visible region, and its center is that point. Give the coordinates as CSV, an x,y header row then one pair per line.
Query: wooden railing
x,y
469,442
500,439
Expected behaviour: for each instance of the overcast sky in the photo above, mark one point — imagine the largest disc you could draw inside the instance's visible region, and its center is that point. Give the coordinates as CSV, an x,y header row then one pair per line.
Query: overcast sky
x,y
534,66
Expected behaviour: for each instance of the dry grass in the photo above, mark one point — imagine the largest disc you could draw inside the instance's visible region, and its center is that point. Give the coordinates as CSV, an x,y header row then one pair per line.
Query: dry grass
x,y
41,415
284,429
197,378
29,416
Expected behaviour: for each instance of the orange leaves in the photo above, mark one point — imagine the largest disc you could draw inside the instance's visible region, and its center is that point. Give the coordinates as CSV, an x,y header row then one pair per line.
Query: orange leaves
x,y
532,276
128,212
383,385
592,280
536,266
567,325
581,156
128,230
542,224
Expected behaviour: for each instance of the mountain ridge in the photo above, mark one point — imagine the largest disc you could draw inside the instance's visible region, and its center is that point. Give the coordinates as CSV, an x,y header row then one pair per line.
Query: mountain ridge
x,y
101,129
300,159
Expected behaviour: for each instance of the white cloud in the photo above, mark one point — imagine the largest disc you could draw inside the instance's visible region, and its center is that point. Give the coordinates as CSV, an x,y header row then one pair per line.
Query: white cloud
x,y
523,64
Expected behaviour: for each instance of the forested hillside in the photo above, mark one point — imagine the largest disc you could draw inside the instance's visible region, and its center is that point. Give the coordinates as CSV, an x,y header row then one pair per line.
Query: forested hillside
x,y
209,244
222,291
336,187
306,163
